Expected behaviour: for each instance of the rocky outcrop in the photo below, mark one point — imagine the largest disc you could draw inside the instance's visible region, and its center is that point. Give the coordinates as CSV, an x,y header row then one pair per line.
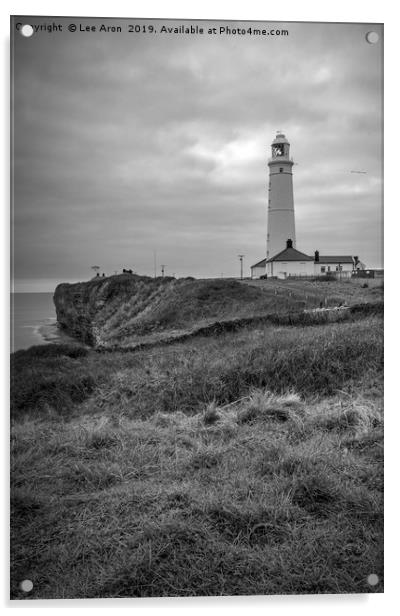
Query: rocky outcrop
x,y
126,309
80,307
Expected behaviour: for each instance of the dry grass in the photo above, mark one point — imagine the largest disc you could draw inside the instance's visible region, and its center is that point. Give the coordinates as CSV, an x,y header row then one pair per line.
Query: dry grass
x,y
179,505
187,375
245,464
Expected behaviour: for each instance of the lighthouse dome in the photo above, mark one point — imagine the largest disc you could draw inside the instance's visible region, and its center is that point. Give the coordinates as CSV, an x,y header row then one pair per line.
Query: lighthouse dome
x,y
280,138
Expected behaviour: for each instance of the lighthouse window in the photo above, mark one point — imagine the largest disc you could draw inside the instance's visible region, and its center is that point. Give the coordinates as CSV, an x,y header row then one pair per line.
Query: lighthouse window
x,y
280,169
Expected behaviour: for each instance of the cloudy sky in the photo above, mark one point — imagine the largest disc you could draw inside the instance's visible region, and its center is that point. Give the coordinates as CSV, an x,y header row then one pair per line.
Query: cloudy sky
x,y
126,144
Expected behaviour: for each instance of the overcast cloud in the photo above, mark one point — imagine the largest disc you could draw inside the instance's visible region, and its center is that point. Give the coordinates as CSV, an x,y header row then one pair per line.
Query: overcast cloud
x,y
126,144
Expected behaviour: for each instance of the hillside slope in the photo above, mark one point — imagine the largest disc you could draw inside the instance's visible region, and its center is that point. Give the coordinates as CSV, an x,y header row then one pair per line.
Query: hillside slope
x,y
127,310
245,464
109,311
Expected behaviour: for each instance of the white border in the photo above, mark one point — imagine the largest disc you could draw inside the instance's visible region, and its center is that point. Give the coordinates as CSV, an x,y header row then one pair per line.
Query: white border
x,y
289,10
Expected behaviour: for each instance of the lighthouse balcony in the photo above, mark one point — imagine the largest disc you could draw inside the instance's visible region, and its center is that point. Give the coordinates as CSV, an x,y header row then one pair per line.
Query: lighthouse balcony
x,y
280,159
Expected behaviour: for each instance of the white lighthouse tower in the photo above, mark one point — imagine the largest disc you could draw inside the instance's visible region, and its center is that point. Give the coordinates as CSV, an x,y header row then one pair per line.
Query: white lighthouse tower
x,y
281,225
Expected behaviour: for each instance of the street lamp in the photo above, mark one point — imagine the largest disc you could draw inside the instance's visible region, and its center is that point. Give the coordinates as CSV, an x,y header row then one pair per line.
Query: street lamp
x,y
241,257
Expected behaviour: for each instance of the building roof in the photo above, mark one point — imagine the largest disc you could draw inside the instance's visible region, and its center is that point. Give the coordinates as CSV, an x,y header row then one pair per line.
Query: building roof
x,y
339,259
259,264
290,254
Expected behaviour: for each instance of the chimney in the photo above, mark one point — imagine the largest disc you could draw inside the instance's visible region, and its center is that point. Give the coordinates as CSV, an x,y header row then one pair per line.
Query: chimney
x,y
289,244
316,256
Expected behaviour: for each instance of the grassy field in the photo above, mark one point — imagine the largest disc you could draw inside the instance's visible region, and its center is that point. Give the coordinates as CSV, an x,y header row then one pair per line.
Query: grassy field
x,y
352,289
244,463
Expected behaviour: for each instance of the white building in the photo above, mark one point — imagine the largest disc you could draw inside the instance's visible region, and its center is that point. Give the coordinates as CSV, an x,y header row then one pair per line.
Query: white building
x,y
290,262
338,265
258,269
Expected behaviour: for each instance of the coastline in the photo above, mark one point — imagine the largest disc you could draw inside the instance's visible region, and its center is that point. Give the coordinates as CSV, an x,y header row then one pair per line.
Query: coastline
x,y
34,322
48,332
51,333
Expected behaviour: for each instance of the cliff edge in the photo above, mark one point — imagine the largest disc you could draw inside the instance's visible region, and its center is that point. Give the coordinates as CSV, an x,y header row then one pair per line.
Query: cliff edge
x,y
126,309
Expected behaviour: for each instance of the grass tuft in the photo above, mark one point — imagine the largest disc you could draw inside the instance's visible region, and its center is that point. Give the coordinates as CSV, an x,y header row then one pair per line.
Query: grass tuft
x,y
357,417
265,405
205,458
210,414
316,493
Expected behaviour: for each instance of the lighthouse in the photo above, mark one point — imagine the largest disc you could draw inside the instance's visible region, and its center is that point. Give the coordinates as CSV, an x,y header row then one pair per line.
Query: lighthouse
x,y
283,260
280,225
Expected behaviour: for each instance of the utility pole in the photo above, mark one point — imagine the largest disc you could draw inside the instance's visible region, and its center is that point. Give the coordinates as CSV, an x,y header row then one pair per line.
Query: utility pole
x,y
162,270
155,263
241,257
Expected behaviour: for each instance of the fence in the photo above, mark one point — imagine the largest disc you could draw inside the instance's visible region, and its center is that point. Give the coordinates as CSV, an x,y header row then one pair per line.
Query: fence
x,y
328,276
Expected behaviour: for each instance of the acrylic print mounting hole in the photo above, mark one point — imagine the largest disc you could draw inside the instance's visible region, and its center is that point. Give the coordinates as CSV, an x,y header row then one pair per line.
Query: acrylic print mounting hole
x,y
373,579
26,30
26,585
372,37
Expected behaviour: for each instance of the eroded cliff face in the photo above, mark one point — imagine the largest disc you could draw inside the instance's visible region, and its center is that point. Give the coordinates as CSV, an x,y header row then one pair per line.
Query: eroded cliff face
x,y
83,308
76,306
127,309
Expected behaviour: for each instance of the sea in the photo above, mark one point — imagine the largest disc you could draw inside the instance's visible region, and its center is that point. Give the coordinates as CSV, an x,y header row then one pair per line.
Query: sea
x,y
34,321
